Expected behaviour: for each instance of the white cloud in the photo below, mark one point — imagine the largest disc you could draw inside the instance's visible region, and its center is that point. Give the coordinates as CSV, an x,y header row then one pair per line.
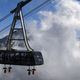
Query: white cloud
x,y
68,12
58,43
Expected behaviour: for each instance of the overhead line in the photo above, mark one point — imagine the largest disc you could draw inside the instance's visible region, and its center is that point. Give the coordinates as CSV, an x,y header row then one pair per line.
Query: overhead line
x,y
5,17
28,13
37,7
5,28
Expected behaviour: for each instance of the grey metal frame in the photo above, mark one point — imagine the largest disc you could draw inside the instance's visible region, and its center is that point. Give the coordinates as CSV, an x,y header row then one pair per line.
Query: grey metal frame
x,y
18,15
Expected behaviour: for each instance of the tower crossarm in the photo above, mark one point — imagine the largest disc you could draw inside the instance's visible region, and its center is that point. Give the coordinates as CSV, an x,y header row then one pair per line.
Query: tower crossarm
x,y
20,5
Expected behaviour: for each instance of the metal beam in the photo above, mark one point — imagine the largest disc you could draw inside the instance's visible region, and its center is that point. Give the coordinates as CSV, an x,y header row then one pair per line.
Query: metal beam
x,y
20,5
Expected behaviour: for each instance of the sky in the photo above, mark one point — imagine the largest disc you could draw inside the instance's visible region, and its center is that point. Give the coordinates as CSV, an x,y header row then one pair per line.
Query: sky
x,y
7,5
54,31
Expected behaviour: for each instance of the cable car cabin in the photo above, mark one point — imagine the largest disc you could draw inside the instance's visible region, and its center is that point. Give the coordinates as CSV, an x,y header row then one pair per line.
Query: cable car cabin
x,y
24,58
15,57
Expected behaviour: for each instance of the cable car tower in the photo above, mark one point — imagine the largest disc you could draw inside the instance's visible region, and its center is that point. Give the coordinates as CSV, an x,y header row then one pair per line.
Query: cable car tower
x,y
27,57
